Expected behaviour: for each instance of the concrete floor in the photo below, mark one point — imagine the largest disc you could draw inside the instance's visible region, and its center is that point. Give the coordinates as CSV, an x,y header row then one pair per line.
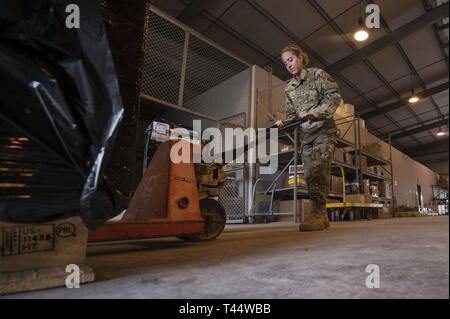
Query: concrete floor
x,y
276,261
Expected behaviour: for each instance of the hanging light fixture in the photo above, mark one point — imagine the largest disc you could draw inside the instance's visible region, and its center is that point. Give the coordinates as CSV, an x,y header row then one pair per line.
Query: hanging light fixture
x,y
440,132
361,33
413,98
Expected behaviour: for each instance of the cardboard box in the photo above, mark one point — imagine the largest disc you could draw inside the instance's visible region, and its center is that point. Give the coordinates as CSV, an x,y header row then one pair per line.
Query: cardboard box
x,y
366,187
35,246
363,132
358,198
375,170
364,163
336,185
346,130
383,213
378,170
374,149
349,158
344,119
289,181
385,190
303,205
339,155
362,125
344,110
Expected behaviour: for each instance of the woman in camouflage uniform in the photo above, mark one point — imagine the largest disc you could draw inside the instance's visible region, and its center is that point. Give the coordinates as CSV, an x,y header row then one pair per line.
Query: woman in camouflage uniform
x,y
313,94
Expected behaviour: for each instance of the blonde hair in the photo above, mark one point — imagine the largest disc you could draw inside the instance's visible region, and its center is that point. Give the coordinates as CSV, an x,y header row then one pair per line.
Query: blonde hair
x,y
294,48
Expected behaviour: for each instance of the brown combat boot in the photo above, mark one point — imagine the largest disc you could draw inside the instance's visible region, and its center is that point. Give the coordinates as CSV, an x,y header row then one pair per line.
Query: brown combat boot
x,y
313,223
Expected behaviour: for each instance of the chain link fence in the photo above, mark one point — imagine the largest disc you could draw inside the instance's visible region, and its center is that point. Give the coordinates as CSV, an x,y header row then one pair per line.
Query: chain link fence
x,y
182,69
233,196
163,57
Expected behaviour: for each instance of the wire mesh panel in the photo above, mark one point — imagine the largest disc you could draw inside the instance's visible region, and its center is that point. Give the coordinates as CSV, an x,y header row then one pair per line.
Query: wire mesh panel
x,y
234,194
183,69
163,57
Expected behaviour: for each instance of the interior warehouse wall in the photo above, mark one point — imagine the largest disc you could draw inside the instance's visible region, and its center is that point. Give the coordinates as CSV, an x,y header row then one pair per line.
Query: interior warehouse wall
x,y
263,81
263,108
229,98
408,173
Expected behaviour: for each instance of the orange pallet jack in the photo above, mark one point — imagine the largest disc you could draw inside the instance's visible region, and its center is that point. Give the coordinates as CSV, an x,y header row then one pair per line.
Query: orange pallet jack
x,y
169,201
174,200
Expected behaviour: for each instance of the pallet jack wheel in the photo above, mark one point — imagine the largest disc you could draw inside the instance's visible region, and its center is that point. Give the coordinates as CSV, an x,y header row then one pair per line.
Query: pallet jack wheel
x,y
215,218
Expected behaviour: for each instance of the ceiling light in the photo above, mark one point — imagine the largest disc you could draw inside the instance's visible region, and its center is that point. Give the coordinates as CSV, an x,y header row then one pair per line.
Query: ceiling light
x,y
413,99
361,34
441,132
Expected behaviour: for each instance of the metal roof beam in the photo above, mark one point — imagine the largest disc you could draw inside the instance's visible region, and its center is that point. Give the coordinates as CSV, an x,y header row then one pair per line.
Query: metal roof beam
x,y
441,145
404,102
417,129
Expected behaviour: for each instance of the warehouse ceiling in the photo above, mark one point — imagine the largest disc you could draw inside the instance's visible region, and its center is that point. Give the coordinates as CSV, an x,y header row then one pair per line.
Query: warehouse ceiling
x,y
408,51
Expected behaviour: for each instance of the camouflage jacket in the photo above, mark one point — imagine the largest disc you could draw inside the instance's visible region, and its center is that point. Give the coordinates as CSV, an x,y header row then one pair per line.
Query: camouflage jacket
x,y
313,91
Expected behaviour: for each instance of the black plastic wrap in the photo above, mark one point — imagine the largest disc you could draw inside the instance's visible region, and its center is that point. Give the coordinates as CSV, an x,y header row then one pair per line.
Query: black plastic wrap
x,y
60,108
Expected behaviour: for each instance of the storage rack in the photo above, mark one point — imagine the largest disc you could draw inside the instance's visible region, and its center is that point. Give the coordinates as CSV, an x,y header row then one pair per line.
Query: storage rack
x,y
349,171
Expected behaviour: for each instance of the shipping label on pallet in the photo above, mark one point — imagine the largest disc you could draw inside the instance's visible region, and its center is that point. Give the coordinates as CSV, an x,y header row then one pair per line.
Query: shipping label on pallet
x,y
56,243
27,239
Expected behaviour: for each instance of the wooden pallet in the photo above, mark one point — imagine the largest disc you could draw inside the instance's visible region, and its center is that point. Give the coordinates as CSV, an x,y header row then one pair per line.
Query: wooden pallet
x,y
43,278
35,256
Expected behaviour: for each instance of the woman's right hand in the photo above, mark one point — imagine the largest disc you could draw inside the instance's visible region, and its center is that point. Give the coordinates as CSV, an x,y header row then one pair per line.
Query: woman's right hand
x,y
279,123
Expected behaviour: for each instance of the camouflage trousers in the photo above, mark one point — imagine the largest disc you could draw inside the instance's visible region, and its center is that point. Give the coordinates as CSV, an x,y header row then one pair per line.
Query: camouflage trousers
x,y
317,157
